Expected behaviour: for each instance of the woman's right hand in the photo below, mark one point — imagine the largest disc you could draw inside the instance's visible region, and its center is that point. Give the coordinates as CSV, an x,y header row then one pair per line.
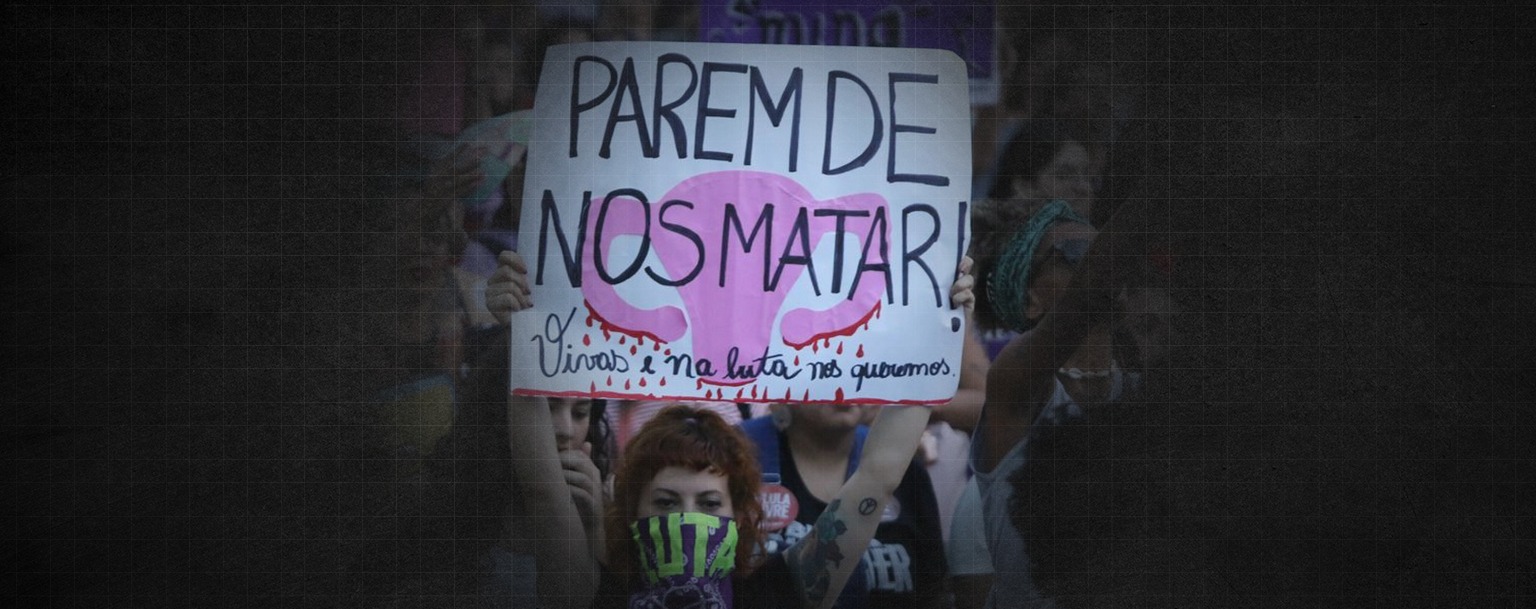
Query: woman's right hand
x,y
508,292
585,482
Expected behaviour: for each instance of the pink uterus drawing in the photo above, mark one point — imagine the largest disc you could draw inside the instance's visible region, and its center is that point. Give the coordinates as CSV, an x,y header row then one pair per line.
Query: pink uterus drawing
x,y
741,313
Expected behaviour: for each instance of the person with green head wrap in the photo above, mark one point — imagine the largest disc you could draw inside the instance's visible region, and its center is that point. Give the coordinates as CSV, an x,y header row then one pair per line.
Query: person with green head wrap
x,y
1022,271
1044,274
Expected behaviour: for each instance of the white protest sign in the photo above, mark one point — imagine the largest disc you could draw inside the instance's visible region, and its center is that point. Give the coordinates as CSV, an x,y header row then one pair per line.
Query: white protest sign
x,y
744,223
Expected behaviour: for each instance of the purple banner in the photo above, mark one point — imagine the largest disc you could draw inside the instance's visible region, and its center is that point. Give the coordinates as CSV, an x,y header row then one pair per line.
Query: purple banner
x,y
965,28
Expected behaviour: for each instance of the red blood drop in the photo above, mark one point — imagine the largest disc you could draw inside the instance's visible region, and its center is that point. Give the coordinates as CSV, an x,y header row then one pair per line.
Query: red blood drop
x,y
839,348
861,351
586,339
626,385
839,394
662,382
610,381
642,382
632,349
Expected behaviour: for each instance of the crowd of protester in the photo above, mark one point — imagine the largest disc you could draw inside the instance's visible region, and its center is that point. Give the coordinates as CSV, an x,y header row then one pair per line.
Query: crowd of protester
x,y
1112,441
483,67
1078,299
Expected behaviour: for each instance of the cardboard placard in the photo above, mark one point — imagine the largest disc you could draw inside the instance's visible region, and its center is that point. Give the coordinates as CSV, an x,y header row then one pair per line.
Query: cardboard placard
x,y
745,223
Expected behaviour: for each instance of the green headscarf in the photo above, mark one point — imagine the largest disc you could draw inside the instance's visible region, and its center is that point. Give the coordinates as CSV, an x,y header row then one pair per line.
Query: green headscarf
x,y
1008,283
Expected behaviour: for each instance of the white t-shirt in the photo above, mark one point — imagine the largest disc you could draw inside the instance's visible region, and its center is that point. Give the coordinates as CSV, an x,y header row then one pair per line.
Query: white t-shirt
x,y
1013,586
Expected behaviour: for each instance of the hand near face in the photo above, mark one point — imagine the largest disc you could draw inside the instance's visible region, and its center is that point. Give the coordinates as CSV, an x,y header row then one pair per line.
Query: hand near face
x,y
584,481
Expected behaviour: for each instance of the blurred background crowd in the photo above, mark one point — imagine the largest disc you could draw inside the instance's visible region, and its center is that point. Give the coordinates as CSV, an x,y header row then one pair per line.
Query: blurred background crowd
x,y
248,331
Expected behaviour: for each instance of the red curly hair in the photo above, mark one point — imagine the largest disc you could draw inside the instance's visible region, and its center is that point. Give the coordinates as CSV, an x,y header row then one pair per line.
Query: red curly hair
x,y
683,436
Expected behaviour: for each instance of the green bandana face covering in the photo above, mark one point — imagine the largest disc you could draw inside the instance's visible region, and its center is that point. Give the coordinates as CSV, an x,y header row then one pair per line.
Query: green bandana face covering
x,y
686,559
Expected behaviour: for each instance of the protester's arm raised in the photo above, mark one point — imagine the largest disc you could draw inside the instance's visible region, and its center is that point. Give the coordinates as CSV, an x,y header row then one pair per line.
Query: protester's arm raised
x,y
823,560
552,525
1023,374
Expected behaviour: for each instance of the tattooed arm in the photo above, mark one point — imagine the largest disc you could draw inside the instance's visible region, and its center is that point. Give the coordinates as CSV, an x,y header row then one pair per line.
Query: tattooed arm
x,y
824,559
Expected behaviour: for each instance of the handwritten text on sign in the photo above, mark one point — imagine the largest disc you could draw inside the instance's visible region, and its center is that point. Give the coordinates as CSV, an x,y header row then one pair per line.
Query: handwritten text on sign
x,y
744,222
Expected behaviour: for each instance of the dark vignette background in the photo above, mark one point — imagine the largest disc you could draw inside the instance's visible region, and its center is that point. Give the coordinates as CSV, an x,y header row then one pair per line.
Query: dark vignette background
x,y
187,217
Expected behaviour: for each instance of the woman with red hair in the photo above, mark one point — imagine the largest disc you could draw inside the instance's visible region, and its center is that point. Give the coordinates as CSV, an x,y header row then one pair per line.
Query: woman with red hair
x,y
683,526
683,529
